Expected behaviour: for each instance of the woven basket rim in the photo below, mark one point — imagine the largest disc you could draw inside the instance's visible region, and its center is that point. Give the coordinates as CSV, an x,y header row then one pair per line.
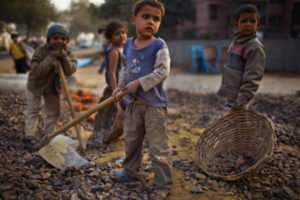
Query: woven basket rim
x,y
254,168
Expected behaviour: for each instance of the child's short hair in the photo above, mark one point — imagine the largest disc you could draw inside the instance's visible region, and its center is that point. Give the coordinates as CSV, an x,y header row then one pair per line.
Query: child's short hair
x,y
153,3
13,35
111,27
248,8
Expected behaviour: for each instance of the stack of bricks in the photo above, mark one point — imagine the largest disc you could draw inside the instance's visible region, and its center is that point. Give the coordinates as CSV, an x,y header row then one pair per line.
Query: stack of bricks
x,y
82,97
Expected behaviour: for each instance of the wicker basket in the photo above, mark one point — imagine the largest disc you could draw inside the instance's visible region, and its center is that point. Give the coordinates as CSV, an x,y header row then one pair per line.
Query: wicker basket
x,y
240,131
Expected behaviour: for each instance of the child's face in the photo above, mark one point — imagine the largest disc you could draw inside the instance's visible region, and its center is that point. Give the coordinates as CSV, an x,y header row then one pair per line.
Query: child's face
x,y
119,37
15,39
147,21
247,24
58,41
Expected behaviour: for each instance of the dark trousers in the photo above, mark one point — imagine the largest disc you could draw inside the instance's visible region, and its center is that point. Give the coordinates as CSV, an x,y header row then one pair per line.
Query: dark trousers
x,y
20,65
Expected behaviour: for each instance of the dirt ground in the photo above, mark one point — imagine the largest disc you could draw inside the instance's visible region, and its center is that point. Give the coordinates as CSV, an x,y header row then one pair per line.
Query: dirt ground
x,y
88,79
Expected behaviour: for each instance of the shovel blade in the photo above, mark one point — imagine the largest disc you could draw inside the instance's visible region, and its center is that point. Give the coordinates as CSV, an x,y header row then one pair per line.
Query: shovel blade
x,y
73,143
59,154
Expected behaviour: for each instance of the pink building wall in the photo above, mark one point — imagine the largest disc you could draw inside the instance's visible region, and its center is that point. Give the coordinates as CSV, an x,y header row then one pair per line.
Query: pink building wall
x,y
219,26
203,23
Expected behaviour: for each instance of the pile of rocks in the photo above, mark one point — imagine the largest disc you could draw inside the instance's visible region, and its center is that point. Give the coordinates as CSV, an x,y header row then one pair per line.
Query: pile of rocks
x,y
279,179
229,163
26,175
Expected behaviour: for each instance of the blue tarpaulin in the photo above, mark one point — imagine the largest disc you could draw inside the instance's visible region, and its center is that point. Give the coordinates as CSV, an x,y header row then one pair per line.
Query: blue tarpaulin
x,y
83,61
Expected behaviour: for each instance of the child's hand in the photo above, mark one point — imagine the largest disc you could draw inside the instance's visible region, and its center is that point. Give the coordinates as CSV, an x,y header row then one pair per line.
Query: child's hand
x,y
116,91
133,86
54,53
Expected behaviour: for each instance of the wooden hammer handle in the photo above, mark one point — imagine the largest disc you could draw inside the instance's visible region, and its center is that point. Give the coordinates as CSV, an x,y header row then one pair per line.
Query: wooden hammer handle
x,y
46,139
69,100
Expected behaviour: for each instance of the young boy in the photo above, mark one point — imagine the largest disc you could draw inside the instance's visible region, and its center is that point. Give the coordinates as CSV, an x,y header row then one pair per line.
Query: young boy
x,y
17,52
245,61
147,65
44,80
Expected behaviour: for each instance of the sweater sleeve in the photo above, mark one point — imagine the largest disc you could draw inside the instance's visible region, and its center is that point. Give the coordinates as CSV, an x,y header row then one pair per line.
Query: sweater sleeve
x,y
160,72
253,73
40,67
68,63
122,73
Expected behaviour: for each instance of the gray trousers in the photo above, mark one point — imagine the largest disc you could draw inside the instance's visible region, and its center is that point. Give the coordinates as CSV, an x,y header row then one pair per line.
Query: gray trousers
x,y
51,112
138,120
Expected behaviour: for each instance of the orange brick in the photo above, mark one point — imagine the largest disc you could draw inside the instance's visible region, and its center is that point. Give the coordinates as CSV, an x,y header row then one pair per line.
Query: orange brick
x,y
92,118
80,92
93,98
87,94
78,106
86,99
76,97
85,108
62,90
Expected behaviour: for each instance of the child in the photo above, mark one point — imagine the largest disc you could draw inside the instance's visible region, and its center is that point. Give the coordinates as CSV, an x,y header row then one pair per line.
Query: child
x,y
44,81
245,61
116,35
17,52
147,65
105,45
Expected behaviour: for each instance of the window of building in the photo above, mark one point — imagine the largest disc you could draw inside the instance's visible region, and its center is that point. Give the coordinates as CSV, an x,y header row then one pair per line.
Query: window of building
x,y
296,14
275,1
274,21
213,12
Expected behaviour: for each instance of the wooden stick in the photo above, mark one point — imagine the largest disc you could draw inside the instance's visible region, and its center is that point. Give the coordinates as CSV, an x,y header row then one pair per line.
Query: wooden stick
x,y
65,86
46,139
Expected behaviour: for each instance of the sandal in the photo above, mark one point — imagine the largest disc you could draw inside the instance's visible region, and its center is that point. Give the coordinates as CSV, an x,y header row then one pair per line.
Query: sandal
x,y
120,176
159,194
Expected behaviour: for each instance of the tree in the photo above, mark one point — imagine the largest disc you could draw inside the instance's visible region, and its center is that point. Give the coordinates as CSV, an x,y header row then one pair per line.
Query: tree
x,y
176,11
81,20
35,14
5,28
113,9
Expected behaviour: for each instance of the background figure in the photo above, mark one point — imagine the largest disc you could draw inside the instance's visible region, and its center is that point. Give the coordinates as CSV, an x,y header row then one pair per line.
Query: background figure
x,y
245,61
105,46
109,121
44,80
17,52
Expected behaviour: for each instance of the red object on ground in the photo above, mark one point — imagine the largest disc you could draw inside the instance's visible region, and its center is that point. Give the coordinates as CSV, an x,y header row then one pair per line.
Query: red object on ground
x,y
85,108
76,97
92,118
78,106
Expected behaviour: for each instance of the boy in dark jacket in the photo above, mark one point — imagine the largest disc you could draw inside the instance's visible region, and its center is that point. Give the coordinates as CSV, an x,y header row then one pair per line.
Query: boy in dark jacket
x,y
44,80
245,61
